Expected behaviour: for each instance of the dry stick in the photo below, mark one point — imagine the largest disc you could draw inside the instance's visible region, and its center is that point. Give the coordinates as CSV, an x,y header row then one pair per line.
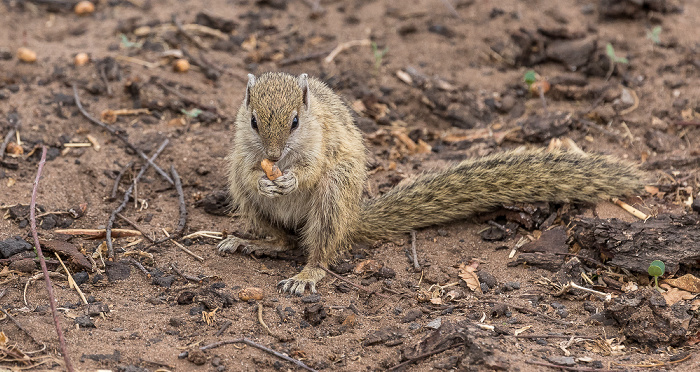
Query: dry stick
x,y
183,209
248,342
632,210
181,31
413,250
185,276
110,223
140,267
113,131
581,369
223,328
19,325
425,355
135,226
529,311
183,248
262,322
304,58
687,123
186,99
7,140
119,178
353,284
49,286
346,45
556,336
451,8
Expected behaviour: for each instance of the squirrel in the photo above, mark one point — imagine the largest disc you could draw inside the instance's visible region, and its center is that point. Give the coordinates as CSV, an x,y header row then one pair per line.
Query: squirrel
x,y
304,127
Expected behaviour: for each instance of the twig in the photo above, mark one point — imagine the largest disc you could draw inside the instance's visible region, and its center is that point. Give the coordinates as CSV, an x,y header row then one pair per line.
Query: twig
x,y
262,322
116,133
581,369
210,71
99,233
200,259
183,209
529,311
186,99
556,336
540,90
7,140
205,234
110,222
140,267
71,281
451,8
353,284
248,342
341,47
16,124
189,278
304,58
685,161
19,325
118,179
135,226
181,31
687,123
49,286
413,250
632,210
425,355
223,328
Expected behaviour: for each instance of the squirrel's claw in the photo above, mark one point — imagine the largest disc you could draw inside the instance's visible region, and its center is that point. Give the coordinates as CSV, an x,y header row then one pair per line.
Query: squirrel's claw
x,y
297,284
231,244
283,185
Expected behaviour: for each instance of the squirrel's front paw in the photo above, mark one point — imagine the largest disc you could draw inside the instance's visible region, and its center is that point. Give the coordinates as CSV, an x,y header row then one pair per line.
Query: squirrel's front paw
x,y
297,284
283,185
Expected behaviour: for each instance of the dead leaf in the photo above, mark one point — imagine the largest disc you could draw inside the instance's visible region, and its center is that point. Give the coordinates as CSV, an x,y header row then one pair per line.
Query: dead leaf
x,y
687,282
673,295
468,274
367,266
653,190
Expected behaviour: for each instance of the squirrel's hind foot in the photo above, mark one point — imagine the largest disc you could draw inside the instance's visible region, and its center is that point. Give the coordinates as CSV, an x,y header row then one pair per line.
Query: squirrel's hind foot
x,y
298,283
258,246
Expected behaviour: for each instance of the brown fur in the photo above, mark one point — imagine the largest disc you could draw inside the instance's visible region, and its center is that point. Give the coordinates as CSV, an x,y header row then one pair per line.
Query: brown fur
x,y
324,166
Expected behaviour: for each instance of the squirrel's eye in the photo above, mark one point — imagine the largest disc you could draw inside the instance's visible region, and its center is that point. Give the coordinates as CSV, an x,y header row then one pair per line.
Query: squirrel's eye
x,y
254,123
295,122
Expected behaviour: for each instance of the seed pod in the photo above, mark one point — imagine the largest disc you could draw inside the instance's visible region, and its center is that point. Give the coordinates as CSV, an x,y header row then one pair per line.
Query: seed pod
x,y
181,65
26,55
81,59
84,8
271,170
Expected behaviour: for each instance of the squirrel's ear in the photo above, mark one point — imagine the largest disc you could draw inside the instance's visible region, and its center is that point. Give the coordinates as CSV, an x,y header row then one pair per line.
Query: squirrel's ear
x,y
304,85
251,83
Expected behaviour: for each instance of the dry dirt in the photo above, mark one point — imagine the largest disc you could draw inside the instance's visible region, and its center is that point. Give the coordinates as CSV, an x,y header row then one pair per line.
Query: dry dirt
x,y
467,77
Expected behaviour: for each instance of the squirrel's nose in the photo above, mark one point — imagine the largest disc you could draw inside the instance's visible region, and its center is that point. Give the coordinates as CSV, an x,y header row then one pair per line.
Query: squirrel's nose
x,y
274,155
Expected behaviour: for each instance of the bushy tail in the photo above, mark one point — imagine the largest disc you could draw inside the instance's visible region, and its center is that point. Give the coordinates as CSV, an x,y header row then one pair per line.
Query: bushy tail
x,y
483,184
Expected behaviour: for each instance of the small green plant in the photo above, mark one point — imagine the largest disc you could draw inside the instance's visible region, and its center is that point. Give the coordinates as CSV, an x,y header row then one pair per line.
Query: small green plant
x,y
129,44
610,51
192,113
654,34
530,77
378,55
656,269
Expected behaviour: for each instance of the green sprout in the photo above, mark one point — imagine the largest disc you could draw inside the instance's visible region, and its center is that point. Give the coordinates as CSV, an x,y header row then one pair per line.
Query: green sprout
x,y
610,51
129,44
654,34
656,269
378,55
192,113
530,77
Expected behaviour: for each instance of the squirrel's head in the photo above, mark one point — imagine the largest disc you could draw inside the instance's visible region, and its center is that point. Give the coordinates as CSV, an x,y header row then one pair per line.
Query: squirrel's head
x,y
276,105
